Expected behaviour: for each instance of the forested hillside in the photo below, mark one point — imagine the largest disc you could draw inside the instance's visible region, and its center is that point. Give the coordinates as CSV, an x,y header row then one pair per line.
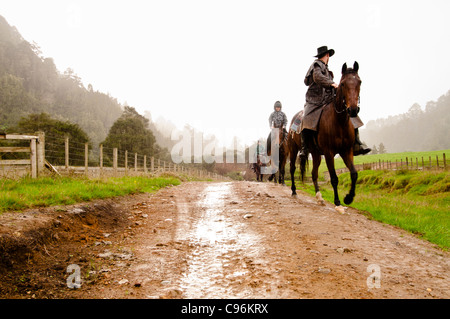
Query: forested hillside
x,y
417,130
30,84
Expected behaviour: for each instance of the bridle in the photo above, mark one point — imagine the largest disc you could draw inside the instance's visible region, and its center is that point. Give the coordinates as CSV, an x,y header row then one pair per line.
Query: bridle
x,y
344,103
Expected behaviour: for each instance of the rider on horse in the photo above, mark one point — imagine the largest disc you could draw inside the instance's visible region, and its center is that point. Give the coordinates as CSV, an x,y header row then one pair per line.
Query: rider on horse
x,y
277,120
320,92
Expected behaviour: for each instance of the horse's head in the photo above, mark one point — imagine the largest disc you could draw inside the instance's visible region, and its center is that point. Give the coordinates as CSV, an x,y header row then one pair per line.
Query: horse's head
x,y
349,89
282,137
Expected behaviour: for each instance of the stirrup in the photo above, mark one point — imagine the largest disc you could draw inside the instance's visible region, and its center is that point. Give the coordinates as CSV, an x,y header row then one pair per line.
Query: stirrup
x,y
359,150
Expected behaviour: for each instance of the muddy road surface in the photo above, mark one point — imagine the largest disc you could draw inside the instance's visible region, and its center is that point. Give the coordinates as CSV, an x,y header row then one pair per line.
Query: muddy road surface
x,y
214,240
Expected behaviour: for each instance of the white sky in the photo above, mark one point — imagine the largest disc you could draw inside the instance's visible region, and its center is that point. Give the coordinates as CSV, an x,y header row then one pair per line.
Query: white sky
x,y
221,65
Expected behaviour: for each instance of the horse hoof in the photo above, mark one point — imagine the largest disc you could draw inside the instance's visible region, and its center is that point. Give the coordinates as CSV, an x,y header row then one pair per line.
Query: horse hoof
x,y
341,209
319,198
348,199
294,195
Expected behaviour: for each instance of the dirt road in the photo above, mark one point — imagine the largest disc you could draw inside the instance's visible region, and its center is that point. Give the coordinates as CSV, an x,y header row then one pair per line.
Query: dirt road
x,y
216,240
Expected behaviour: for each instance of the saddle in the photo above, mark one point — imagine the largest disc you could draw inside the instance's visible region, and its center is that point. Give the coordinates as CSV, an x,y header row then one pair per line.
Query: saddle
x,y
296,124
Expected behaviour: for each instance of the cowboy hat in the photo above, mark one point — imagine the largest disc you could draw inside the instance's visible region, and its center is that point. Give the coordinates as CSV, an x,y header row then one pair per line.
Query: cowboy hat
x,y
323,50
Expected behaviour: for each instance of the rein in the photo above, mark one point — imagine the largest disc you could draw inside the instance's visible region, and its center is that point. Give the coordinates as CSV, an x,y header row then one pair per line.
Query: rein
x,y
344,102
285,138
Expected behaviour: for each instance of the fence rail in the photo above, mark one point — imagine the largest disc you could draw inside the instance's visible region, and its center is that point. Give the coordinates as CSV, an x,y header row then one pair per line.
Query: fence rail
x,y
64,163
30,165
415,163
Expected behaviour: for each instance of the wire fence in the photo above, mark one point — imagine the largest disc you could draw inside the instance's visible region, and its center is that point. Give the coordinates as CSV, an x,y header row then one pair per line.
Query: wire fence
x,y
66,157
437,163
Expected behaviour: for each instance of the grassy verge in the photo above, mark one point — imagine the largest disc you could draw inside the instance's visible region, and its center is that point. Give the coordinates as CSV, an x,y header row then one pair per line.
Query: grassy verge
x,y
415,201
41,192
393,157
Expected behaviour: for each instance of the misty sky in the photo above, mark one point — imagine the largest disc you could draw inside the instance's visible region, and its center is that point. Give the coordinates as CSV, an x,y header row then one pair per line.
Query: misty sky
x,y
220,65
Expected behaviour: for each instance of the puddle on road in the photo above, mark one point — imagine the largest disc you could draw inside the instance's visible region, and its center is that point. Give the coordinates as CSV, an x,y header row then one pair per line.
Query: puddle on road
x,y
220,244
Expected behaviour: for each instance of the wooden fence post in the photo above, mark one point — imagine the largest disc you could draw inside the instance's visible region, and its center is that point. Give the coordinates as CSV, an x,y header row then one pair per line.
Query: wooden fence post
x,y
126,162
66,153
86,158
445,161
152,164
40,153
145,164
33,158
135,162
115,151
101,159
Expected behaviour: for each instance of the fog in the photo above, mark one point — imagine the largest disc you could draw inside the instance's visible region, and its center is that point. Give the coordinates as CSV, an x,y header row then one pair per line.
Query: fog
x,y
219,66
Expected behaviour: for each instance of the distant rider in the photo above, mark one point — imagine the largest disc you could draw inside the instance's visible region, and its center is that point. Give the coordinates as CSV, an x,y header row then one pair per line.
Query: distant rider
x,y
277,120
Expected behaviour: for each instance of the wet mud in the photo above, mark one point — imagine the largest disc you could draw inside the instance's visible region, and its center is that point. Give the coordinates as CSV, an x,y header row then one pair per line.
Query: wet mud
x,y
226,240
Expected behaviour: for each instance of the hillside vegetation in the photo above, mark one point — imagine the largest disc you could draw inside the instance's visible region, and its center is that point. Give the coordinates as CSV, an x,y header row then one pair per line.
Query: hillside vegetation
x,y
419,129
30,84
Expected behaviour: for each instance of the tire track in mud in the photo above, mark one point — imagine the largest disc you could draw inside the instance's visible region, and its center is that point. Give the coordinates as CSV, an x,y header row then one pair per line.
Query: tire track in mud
x,y
220,245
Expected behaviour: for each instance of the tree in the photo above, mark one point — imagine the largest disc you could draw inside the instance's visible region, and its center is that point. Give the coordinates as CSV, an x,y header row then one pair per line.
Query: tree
x,y
374,150
130,133
30,84
15,101
381,149
55,133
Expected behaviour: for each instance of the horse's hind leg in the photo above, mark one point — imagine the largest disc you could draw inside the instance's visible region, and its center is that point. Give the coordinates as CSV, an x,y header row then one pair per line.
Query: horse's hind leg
x,y
282,171
348,160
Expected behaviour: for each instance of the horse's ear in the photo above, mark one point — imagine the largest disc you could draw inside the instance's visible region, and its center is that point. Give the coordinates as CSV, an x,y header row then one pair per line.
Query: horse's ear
x,y
355,66
344,68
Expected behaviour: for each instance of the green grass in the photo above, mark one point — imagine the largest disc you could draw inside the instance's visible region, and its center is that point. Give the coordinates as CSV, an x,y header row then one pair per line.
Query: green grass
x,y
416,201
42,192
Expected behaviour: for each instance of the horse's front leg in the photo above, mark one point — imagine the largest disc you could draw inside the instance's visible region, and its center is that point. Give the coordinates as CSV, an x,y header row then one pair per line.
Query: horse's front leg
x,y
292,171
315,175
282,172
333,177
348,160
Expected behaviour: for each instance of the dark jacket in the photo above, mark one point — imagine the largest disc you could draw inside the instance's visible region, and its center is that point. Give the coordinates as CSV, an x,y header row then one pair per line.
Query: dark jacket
x,y
278,119
319,80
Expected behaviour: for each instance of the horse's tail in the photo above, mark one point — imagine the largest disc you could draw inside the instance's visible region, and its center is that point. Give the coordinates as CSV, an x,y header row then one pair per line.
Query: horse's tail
x,y
303,165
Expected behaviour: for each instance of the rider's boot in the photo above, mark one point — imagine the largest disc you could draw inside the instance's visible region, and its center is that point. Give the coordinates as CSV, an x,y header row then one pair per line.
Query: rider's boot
x,y
304,149
359,148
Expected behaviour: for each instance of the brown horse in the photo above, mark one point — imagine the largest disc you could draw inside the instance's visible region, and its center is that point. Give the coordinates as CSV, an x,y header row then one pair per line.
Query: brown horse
x,y
283,148
336,135
256,167
295,145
